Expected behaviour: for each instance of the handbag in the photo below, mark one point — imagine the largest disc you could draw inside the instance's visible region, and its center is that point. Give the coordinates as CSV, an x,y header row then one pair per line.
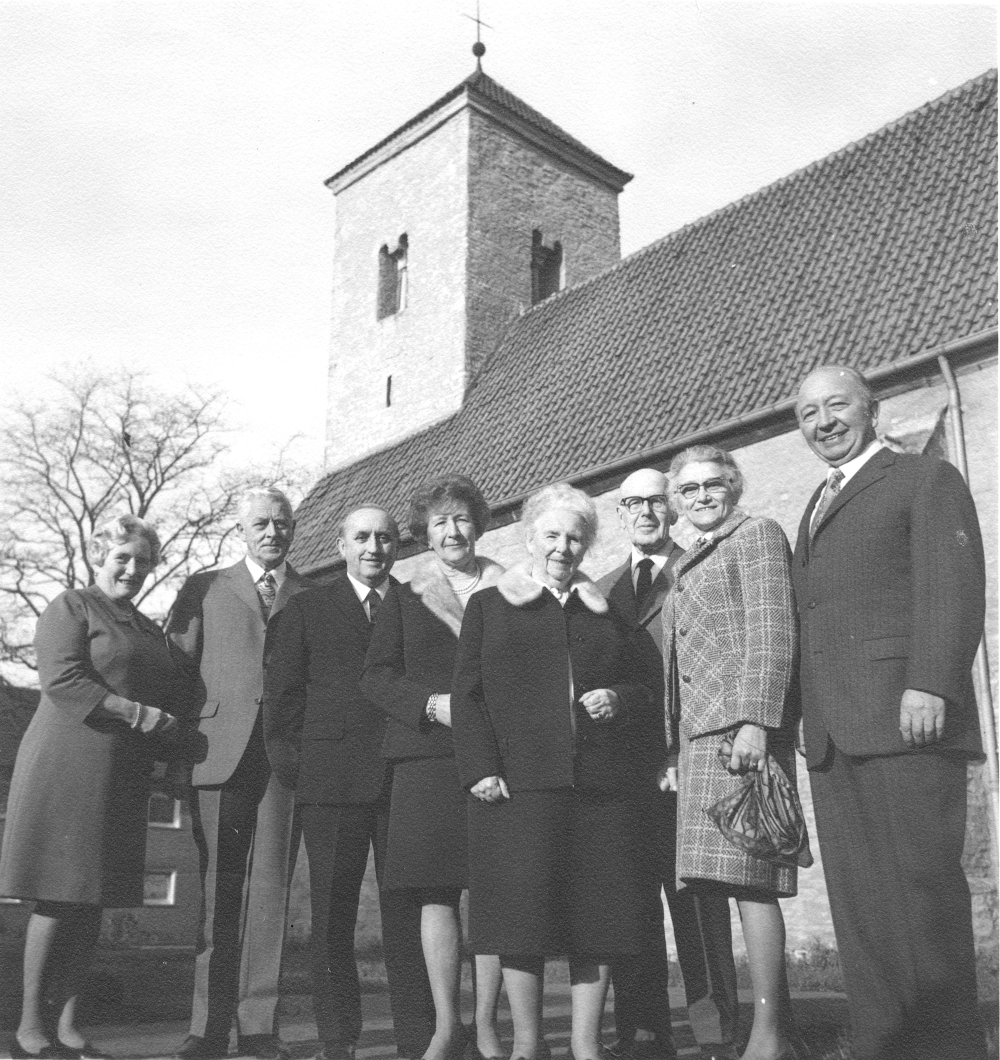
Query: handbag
x,y
764,816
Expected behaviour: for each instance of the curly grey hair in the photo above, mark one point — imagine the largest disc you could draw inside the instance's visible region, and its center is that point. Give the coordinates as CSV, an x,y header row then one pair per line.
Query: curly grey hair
x,y
710,454
562,495
116,532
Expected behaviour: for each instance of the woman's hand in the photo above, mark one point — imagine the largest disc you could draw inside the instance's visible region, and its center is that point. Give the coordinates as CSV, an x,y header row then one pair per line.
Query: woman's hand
x,y
490,789
667,778
749,749
442,714
602,704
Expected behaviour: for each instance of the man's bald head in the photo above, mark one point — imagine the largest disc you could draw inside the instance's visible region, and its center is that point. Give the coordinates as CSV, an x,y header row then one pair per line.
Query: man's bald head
x,y
837,413
648,525
369,540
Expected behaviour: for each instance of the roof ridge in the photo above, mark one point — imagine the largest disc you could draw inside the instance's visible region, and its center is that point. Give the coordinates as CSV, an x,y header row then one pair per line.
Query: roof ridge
x,y
480,82
796,174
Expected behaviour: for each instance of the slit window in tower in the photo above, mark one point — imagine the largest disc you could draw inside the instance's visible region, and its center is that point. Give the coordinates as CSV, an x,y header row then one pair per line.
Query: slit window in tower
x,y
546,268
392,283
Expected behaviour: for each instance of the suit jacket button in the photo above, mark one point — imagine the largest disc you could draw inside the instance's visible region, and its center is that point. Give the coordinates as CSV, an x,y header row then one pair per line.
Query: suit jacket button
x,y
683,632
686,679
679,586
260,701
812,603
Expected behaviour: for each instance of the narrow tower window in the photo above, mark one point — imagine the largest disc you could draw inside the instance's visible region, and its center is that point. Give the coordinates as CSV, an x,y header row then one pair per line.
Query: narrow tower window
x,y
546,268
388,391
392,278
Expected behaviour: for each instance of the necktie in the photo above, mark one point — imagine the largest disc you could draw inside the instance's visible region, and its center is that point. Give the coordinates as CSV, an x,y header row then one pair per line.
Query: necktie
x,y
267,590
829,496
374,602
644,580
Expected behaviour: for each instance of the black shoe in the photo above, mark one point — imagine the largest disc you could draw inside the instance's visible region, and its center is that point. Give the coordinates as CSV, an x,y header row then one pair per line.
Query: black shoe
x,y
195,1048
336,1051
263,1047
720,1051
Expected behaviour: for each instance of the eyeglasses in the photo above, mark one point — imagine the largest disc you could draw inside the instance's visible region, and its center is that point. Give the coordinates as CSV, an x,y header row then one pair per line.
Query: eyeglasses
x,y
657,503
690,490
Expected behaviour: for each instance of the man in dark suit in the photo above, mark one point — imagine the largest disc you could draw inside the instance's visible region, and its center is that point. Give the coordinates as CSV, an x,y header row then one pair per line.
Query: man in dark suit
x,y
702,931
241,812
890,588
325,740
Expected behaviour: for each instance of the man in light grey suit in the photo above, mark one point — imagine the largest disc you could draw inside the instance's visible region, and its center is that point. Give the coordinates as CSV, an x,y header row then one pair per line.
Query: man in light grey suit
x,y
635,591
219,630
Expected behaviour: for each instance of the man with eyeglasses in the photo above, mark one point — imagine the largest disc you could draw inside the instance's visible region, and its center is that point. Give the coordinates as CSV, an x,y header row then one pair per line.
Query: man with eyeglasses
x,y
702,932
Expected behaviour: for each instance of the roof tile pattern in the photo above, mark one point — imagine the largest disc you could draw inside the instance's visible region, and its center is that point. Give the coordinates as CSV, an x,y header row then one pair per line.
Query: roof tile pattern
x,y
878,252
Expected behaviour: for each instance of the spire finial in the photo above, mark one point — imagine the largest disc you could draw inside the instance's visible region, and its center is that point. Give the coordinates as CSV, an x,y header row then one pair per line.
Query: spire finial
x,y
478,49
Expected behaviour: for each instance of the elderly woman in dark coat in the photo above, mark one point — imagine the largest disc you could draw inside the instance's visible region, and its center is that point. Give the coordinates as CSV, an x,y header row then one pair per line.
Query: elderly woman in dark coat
x,y
75,839
729,634
408,674
542,700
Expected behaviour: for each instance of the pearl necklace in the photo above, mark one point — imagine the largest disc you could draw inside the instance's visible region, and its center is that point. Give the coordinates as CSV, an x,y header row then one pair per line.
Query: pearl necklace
x,y
457,587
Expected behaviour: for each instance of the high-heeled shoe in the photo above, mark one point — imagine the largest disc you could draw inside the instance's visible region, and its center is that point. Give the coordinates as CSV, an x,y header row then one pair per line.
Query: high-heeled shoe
x,y
18,1052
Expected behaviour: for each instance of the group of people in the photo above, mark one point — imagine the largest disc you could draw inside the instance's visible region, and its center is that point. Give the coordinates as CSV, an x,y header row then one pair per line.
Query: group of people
x,y
549,743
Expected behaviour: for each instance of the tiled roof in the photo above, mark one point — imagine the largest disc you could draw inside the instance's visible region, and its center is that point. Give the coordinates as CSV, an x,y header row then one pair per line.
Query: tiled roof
x,y
483,86
881,251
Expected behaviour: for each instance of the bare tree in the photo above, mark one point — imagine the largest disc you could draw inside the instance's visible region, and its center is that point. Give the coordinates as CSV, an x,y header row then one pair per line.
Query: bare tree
x,y
109,445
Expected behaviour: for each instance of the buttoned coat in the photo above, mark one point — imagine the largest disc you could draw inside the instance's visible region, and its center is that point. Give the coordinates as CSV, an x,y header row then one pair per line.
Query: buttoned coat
x,y
510,696
219,637
730,639
891,595
324,736
76,816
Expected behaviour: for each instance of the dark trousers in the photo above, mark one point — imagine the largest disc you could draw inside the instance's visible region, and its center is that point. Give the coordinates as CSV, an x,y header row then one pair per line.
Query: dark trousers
x,y
337,842
702,933
891,831
243,831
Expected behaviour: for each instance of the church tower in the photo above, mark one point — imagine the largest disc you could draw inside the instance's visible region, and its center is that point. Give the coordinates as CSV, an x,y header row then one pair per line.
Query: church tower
x,y
474,210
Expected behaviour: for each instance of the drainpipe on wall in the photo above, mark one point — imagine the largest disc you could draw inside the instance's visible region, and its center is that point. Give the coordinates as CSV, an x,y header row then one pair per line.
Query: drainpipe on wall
x,y
987,718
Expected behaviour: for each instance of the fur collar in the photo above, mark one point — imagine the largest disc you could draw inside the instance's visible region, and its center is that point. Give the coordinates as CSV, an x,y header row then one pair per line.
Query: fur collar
x,y
431,585
519,588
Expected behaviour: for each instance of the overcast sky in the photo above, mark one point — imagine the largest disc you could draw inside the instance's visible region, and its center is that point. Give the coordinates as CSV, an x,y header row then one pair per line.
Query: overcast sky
x,y
162,200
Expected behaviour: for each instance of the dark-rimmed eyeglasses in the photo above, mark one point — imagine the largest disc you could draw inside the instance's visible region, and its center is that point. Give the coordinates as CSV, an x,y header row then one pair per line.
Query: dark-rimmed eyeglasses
x,y
690,490
657,503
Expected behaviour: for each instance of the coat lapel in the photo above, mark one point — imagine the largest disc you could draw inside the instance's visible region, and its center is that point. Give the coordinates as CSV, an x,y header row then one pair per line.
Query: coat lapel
x,y
870,473
292,583
696,554
622,595
242,585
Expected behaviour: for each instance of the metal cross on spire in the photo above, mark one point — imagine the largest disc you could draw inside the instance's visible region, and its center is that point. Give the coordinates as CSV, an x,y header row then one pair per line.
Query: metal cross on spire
x,y
478,49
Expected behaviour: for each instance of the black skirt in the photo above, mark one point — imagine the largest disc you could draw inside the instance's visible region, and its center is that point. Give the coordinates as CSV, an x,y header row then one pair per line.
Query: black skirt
x,y
428,844
551,873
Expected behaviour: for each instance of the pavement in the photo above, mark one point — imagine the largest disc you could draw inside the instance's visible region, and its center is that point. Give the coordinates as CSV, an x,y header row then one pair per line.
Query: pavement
x,y
147,1041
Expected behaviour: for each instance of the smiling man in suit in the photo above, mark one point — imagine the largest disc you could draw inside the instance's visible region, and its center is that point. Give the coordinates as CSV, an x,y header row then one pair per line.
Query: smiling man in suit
x,y
325,740
241,812
702,931
890,587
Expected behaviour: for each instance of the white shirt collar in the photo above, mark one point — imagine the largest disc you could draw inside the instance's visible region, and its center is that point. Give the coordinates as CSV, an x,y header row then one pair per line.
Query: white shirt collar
x,y
562,595
257,571
363,590
854,465
659,558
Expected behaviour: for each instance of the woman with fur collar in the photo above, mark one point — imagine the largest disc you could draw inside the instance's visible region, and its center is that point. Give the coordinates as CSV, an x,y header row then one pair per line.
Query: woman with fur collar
x,y
544,687
408,673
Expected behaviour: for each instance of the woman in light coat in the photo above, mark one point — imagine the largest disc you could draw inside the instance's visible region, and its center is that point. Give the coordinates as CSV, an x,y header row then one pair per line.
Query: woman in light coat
x,y
730,639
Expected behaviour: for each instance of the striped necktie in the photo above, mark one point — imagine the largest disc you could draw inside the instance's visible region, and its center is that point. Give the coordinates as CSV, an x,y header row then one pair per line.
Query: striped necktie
x,y
267,590
829,496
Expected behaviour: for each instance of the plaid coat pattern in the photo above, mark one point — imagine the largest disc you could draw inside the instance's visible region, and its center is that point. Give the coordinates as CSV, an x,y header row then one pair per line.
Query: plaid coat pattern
x,y
729,635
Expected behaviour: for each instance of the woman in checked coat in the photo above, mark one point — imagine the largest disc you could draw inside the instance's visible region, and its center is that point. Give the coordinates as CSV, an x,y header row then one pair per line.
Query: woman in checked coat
x,y
730,637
